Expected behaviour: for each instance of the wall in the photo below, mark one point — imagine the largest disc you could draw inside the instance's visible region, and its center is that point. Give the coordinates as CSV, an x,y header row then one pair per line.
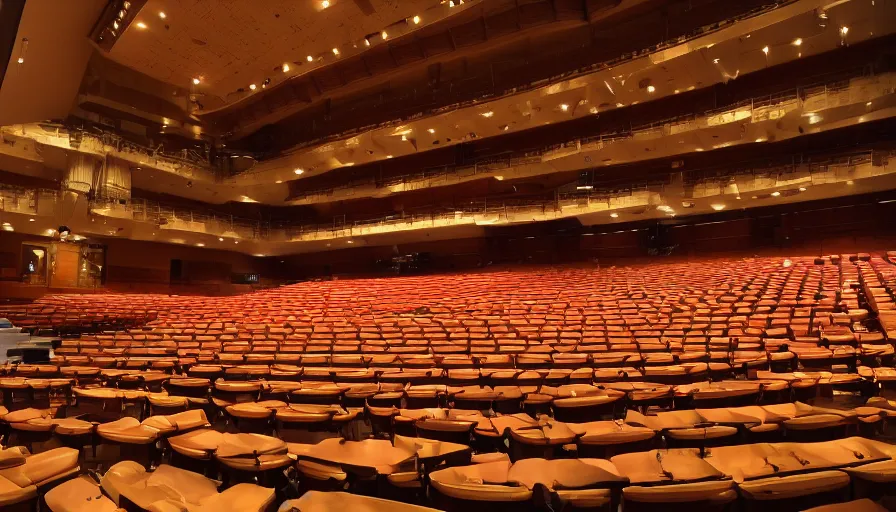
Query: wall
x,y
135,266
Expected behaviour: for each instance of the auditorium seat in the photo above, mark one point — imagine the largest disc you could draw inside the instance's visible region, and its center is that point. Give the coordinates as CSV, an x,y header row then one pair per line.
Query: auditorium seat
x,y
24,476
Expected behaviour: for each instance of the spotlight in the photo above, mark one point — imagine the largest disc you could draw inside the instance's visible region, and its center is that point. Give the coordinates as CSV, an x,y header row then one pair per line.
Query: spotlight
x,y
299,170
162,15
196,81
844,30
798,41
335,51
20,60
416,20
384,34
325,4
252,87
564,107
651,89
220,239
431,130
286,68
141,25
310,58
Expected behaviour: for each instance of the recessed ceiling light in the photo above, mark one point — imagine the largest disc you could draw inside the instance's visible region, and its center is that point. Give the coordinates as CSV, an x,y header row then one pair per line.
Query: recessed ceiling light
x,y
366,42
487,114
388,156
798,41
162,15
844,30
802,189
350,241
416,20
776,193
850,182
285,67
220,239
30,220
236,242
715,61
384,34
115,24
200,244
614,215
765,50
717,207
252,87
278,182
325,4
141,25
196,81
335,51
564,107
20,60
499,178
404,138
310,58
431,130
299,170
450,3
651,89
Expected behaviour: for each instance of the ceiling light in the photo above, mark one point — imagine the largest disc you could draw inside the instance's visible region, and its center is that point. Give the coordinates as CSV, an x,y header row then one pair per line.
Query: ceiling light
x,y
776,193
717,207
499,178
220,239
325,4
651,89
366,42
115,24
614,215
285,67
850,182
349,241
450,3
30,220
20,60
564,107
505,127
814,119
760,139
844,30
299,170
388,156
162,15
310,58
866,104
278,182
236,242
252,87
765,50
715,61
664,208
122,13
797,42
584,187
335,51
487,114
141,25
416,20
431,130
404,138
384,34
802,189
196,81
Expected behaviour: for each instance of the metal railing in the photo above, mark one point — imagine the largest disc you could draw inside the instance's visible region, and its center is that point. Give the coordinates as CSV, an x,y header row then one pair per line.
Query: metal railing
x,y
486,95
761,108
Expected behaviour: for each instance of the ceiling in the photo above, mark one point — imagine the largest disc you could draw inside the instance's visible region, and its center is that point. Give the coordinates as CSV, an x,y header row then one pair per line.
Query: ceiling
x,y
231,44
45,84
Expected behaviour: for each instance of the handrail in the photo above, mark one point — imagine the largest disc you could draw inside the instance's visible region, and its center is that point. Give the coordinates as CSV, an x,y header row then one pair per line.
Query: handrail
x,y
758,108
